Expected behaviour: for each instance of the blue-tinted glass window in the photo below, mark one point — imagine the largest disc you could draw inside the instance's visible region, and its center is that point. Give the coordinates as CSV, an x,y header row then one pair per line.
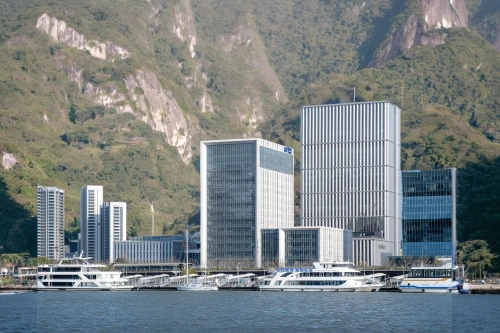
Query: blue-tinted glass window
x,y
427,213
275,160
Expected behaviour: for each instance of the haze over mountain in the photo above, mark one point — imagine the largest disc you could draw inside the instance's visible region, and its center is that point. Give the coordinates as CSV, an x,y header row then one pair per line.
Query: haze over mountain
x,y
120,93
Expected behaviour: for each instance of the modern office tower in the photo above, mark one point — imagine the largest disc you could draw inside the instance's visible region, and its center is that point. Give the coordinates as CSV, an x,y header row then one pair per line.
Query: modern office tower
x,y
429,212
114,227
246,186
350,169
301,246
90,217
50,222
155,249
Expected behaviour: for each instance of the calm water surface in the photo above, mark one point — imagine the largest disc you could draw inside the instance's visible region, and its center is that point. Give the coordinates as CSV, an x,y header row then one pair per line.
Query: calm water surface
x,y
226,311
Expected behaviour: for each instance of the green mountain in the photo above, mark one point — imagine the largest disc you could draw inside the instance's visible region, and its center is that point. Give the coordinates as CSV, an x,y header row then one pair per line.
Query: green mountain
x,y
119,93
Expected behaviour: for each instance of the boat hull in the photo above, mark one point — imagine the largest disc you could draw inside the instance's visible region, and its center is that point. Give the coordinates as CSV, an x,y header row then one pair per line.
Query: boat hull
x,y
324,289
182,288
84,289
429,289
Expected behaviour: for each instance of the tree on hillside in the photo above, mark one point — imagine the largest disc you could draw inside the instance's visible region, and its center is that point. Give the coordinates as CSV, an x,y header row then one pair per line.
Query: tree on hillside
x,y
44,261
12,259
475,255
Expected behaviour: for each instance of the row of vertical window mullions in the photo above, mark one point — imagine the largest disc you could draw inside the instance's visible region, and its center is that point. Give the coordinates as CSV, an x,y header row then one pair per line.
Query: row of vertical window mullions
x,y
344,204
332,155
363,179
360,122
363,249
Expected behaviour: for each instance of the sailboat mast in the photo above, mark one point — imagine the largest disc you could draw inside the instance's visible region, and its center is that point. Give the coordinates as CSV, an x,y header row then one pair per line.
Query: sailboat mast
x,y
187,256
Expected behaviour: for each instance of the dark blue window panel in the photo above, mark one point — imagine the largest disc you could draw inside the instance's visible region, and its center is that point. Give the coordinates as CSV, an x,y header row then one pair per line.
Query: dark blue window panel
x,y
427,214
276,160
301,247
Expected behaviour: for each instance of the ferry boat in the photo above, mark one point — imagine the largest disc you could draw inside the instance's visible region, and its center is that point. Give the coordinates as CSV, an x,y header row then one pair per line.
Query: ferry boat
x,y
78,274
324,276
434,279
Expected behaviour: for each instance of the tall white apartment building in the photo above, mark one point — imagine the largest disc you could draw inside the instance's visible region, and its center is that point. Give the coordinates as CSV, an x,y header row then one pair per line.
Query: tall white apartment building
x,y
114,227
350,174
246,186
91,199
50,222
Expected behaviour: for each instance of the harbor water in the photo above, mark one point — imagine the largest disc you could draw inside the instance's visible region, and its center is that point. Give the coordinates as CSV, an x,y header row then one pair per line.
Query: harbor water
x,y
226,311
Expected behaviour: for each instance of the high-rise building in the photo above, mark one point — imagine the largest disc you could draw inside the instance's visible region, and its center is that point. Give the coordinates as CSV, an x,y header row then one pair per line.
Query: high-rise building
x,y
429,212
246,186
91,198
350,174
114,227
50,222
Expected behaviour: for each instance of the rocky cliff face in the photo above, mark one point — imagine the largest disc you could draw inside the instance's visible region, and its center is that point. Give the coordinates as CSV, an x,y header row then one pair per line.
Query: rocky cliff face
x,y
184,28
144,95
147,100
422,27
160,110
60,32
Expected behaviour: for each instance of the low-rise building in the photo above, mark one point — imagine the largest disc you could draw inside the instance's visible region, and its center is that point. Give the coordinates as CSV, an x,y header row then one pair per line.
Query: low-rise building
x,y
301,246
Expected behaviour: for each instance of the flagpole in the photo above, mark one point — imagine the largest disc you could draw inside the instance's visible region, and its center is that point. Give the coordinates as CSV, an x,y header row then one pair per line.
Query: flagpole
x,y
152,210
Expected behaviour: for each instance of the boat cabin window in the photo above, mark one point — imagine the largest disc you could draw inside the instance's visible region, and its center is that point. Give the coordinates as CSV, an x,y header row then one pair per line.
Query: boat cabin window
x,y
430,273
67,269
320,274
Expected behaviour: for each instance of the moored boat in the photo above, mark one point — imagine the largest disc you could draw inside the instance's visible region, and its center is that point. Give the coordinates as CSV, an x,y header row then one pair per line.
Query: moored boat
x,y
78,274
433,279
327,276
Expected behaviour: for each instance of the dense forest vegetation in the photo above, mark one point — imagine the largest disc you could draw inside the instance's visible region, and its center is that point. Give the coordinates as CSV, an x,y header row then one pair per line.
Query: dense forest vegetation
x,y
259,62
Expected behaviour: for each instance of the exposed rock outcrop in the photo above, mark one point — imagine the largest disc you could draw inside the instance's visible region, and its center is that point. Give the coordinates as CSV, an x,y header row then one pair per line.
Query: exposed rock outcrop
x,y
184,27
59,31
241,36
162,113
8,160
147,100
422,27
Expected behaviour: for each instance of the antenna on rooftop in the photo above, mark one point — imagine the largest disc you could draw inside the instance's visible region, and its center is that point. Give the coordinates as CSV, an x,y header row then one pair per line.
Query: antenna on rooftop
x,y
354,97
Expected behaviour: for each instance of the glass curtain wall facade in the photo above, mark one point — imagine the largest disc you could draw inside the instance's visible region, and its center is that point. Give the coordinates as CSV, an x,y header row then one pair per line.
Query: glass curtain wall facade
x,y
270,248
50,222
246,185
350,170
231,186
301,247
429,213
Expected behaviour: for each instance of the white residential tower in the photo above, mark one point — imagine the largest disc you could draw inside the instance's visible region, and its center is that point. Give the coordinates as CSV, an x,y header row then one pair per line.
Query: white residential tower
x,y
114,227
91,199
50,222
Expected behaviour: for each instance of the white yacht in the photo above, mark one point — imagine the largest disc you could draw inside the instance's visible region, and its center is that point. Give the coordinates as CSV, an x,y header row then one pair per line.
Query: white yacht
x,y
78,274
433,279
325,276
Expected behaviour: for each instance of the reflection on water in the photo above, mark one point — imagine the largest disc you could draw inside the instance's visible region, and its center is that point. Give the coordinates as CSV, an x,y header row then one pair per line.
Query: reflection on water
x,y
247,312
